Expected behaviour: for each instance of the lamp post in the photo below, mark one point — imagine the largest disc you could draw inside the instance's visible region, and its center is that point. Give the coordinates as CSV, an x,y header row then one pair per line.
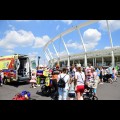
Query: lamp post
x,y
38,60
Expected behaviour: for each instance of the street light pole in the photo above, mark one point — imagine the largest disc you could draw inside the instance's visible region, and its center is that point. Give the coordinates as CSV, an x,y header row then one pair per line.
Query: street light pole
x,y
38,60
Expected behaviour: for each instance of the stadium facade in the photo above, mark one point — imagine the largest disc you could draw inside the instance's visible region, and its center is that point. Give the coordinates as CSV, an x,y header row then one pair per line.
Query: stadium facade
x,y
96,58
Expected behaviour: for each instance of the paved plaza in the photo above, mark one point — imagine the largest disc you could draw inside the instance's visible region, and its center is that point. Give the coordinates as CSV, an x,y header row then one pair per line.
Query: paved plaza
x,y
105,91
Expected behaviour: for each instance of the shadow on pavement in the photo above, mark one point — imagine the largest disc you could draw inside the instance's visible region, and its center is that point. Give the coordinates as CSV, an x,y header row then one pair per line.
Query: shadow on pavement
x,y
17,84
32,99
39,93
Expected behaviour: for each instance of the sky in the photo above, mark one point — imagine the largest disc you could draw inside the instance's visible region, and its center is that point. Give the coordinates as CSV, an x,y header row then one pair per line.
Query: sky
x,y
29,37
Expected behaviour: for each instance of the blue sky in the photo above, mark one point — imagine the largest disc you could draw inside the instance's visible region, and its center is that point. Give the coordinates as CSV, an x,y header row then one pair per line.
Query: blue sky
x,y
29,36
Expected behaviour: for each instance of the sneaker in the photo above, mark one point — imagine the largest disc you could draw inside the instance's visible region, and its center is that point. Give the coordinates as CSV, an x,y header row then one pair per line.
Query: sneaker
x,y
38,85
34,87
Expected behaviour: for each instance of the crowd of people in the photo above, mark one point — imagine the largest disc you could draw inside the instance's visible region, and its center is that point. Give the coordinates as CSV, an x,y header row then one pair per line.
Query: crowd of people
x,y
78,78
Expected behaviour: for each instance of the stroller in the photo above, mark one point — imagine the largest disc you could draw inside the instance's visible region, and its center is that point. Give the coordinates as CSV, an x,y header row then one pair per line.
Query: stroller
x,y
50,89
105,78
89,94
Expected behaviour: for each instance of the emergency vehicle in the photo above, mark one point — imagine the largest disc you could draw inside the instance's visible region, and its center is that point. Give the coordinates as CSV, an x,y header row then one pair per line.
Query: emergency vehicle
x,y
15,67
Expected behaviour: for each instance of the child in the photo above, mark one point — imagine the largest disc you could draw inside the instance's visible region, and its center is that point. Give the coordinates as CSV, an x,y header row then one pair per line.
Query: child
x,y
33,81
114,77
71,93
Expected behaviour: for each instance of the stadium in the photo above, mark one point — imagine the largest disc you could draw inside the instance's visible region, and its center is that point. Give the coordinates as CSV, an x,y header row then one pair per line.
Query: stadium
x,y
97,57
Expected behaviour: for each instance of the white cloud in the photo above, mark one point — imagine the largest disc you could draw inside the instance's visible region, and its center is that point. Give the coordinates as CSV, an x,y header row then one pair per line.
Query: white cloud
x,y
22,20
62,53
14,39
10,51
108,47
91,38
41,41
113,24
67,21
74,45
22,38
58,26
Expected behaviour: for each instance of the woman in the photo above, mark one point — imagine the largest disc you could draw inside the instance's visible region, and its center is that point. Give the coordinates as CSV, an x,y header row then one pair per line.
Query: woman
x,y
80,78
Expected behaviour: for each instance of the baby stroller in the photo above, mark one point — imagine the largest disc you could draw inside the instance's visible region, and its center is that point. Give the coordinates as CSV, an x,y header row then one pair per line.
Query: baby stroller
x,y
50,89
105,78
47,89
89,94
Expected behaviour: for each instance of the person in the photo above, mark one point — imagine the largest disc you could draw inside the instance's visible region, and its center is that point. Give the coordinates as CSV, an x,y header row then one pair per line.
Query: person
x,y
1,77
54,80
96,80
117,67
88,69
40,69
114,77
79,83
98,73
101,75
110,74
63,92
33,81
88,75
71,93
72,72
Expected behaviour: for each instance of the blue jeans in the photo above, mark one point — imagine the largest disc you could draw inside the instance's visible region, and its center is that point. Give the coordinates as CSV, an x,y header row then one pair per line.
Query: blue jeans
x,y
63,94
95,91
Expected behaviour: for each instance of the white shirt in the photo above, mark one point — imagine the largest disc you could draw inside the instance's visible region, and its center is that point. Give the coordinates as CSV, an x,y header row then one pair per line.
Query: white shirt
x,y
2,74
66,79
80,78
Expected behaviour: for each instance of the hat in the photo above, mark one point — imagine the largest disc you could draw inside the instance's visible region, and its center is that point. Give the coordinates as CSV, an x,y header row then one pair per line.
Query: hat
x,y
78,65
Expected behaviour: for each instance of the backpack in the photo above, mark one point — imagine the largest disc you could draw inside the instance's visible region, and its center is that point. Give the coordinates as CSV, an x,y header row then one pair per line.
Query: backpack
x,y
61,82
